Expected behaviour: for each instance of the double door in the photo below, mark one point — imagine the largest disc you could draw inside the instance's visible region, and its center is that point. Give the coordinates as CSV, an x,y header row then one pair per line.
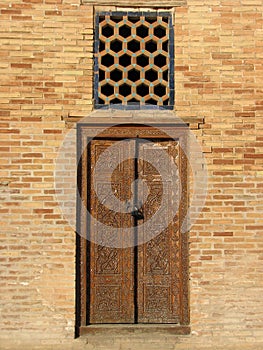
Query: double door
x,y
135,262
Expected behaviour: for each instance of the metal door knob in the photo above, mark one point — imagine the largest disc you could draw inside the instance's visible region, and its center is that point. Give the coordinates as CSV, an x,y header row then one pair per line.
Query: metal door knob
x,y
137,213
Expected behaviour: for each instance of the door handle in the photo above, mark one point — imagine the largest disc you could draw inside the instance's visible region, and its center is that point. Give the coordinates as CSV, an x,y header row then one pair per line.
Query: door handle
x,y
137,213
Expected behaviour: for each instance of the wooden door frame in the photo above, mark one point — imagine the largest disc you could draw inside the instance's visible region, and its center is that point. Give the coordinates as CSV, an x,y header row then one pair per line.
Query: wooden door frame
x,y
85,132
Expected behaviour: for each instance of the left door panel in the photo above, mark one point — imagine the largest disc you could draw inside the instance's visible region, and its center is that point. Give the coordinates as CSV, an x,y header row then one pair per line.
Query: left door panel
x,y
111,296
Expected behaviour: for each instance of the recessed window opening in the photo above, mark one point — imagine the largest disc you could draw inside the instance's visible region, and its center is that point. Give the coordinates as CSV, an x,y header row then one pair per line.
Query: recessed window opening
x,y
134,59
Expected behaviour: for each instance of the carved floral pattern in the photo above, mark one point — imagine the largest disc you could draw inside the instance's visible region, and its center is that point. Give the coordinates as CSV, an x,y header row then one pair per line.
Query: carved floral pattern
x,y
157,298
107,299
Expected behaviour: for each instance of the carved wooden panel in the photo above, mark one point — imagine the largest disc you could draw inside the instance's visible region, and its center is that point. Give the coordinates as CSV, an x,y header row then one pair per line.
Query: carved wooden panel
x,y
159,259
111,269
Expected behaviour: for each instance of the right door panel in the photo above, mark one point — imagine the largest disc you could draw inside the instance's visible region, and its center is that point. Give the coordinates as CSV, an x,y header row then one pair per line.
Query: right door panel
x,y
158,265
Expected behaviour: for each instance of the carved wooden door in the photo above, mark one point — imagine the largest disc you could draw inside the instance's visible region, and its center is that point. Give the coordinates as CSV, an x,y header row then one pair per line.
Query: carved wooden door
x,y
158,267
111,269
142,283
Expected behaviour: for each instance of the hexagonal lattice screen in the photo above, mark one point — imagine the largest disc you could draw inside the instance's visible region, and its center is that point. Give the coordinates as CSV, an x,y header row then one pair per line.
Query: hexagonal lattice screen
x,y
134,59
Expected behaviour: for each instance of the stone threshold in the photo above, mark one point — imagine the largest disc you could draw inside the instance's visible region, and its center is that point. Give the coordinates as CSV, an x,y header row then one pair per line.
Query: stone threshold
x,y
134,328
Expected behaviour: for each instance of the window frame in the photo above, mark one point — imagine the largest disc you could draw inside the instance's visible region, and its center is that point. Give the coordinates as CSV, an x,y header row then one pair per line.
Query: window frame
x,y
171,64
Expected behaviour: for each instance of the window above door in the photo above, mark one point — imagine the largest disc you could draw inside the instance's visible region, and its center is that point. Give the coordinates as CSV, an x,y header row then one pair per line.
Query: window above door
x,y
134,59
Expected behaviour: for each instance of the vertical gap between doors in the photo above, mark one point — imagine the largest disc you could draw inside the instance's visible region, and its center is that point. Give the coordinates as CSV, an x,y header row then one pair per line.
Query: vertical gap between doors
x,y
136,175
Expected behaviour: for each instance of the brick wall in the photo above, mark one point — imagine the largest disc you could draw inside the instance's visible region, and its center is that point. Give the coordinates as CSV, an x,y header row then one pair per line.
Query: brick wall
x,y
46,76
219,76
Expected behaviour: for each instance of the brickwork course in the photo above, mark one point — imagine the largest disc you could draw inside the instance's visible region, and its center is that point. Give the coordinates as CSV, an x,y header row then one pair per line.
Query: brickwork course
x,y
46,76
